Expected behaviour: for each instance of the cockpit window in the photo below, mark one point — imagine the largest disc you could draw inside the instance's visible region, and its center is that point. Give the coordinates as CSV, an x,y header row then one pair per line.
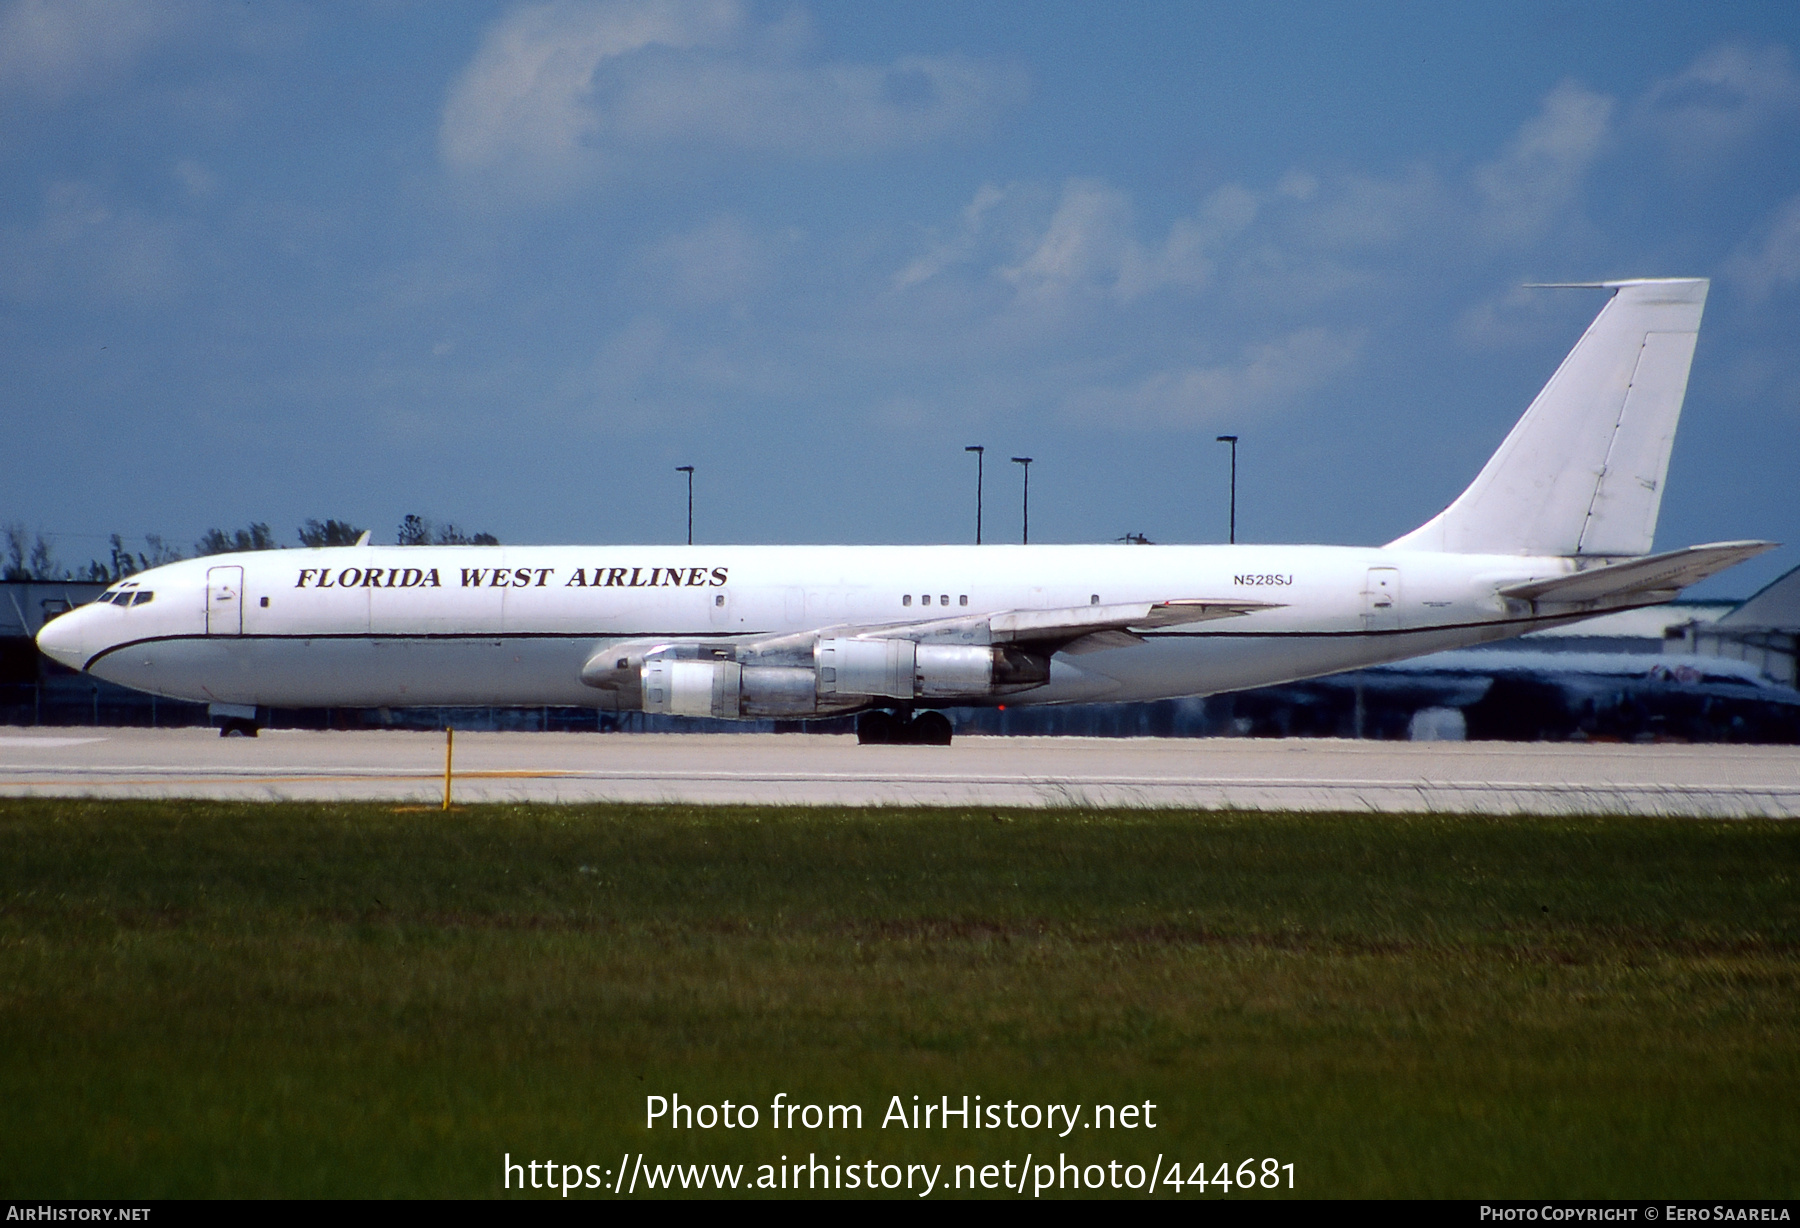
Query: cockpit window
x,y
144,597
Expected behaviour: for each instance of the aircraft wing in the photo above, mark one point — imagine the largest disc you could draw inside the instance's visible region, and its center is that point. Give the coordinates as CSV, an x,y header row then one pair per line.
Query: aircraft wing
x,y
1071,629
1647,581
1076,628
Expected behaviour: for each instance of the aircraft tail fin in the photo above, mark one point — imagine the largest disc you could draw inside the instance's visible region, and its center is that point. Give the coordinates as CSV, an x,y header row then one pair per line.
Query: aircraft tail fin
x,y
1582,472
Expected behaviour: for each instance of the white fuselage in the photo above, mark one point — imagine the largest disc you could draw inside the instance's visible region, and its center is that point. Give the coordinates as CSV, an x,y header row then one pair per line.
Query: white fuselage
x,y
486,625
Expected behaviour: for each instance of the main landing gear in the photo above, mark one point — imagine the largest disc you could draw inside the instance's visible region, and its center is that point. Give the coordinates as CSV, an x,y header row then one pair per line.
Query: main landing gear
x,y
900,729
234,720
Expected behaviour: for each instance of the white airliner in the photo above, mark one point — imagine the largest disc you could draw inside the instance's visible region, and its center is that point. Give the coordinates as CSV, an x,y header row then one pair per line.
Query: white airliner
x,y
1557,527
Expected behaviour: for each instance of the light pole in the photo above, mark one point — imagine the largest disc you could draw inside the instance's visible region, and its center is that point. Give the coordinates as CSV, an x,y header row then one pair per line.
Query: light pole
x,y
689,470
980,456
1232,440
1025,535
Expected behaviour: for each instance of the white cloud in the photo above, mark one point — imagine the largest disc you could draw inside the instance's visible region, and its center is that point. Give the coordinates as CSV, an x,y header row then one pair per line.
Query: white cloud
x,y
1771,262
654,373
1538,176
1185,258
1358,212
526,100
960,247
1298,185
195,179
722,259
639,350
557,90
1519,314
1284,282
1089,246
1721,100
1266,379
84,245
54,48
1299,245
1084,243
824,111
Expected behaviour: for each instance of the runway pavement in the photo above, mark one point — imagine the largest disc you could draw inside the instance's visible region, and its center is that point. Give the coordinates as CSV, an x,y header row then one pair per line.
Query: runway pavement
x,y
1253,774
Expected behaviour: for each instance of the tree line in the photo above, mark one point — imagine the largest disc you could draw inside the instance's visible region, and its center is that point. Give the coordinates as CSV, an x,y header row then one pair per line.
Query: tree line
x,y
30,556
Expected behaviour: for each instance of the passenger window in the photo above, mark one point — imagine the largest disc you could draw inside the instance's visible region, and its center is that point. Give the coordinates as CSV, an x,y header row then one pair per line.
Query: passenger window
x,y
944,600
906,600
145,598
963,600
1094,600
925,600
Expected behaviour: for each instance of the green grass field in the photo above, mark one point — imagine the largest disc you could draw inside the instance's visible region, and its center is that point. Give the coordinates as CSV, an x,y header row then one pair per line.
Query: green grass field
x,y
283,999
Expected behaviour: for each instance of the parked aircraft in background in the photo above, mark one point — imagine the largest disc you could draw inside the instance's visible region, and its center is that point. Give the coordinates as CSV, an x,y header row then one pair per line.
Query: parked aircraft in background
x,y
1558,526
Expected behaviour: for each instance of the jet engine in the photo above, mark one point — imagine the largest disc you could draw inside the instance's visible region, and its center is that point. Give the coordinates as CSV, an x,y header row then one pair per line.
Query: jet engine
x,y
806,675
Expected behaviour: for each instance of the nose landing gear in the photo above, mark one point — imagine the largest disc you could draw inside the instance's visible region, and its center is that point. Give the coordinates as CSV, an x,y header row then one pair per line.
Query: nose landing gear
x,y
902,729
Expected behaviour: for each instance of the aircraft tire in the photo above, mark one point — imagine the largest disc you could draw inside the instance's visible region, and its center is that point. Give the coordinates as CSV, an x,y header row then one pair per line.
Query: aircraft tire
x,y
879,729
237,727
929,729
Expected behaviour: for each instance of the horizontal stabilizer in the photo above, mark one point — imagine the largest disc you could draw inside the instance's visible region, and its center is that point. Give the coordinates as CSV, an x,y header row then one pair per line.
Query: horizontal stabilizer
x,y
1645,581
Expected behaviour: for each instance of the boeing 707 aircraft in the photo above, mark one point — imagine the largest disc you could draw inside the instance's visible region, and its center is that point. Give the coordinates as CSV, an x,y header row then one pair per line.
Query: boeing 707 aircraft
x,y
1556,527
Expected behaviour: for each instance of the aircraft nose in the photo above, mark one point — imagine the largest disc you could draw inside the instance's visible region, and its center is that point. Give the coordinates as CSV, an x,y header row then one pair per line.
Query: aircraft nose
x,y
64,639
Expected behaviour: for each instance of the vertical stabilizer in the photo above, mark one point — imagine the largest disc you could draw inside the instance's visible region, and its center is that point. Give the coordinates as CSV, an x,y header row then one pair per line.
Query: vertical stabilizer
x,y
1582,472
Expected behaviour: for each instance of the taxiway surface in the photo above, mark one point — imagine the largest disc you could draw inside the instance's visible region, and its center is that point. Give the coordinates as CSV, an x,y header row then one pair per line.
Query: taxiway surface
x,y
806,769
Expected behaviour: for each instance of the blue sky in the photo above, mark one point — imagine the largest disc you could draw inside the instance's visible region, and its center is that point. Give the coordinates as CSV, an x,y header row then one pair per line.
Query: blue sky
x,y
509,265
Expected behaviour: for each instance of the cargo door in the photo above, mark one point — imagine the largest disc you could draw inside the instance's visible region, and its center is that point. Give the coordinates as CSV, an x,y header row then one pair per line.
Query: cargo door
x,y
224,601
1381,599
